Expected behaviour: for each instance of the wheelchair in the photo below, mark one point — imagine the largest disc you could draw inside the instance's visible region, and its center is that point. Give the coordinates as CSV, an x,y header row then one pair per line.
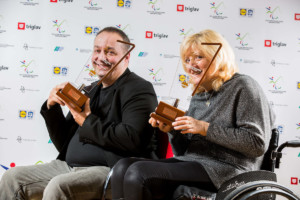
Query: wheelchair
x,y
253,185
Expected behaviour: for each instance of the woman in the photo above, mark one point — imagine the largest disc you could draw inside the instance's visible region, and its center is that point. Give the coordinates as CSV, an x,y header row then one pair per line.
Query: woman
x,y
225,132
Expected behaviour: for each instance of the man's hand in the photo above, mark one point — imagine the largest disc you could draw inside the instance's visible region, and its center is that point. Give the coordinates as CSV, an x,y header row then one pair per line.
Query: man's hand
x,y
190,125
80,117
162,126
53,98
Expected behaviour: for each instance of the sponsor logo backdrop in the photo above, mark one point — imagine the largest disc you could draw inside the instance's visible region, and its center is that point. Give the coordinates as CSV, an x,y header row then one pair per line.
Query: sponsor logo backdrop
x,y
44,43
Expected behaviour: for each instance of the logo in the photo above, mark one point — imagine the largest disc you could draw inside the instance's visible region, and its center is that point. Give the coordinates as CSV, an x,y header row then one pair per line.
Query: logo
x,y
298,126
218,14
155,74
50,141
11,165
268,43
29,3
294,180
91,71
184,80
272,15
60,70
271,12
150,35
297,16
215,8
298,85
142,54
26,66
23,89
180,8
280,129
243,44
93,5
91,30
155,6
3,68
58,48
26,114
241,39
58,26
64,1
21,26
186,33
246,12
124,3
20,140
274,83
274,63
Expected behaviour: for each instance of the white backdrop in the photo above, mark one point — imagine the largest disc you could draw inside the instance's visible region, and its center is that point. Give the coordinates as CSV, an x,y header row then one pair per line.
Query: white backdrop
x,y
44,43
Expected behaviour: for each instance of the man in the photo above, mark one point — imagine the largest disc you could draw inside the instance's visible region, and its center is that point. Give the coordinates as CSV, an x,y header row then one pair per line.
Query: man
x,y
112,125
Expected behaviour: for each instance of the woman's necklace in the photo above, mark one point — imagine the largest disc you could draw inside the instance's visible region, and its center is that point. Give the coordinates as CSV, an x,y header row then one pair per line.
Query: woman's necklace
x,y
207,103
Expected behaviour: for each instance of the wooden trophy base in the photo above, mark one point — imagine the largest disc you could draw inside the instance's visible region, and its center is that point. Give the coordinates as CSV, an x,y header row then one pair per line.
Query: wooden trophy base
x,y
73,97
166,113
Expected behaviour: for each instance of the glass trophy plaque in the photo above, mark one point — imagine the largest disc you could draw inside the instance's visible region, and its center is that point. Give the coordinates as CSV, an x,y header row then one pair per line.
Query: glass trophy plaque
x,y
173,105
76,94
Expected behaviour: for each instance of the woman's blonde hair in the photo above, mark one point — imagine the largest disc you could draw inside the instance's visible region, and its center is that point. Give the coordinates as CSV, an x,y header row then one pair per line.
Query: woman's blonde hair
x,y
225,66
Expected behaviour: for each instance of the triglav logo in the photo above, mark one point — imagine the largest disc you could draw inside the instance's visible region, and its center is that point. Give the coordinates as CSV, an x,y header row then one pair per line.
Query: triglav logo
x,y
150,35
216,8
26,114
246,12
91,30
23,26
155,7
243,44
60,71
297,16
272,15
124,3
294,181
269,43
182,8
63,1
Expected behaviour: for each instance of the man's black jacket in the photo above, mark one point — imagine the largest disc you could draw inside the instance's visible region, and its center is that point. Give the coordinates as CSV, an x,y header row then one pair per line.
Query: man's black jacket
x,y
122,130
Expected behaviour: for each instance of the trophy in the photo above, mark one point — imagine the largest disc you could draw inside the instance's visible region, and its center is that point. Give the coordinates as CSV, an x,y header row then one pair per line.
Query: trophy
x,y
77,96
167,113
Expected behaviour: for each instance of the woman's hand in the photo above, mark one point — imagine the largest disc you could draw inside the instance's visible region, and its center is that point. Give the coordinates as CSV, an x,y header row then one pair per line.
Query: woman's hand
x,y
162,126
190,125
